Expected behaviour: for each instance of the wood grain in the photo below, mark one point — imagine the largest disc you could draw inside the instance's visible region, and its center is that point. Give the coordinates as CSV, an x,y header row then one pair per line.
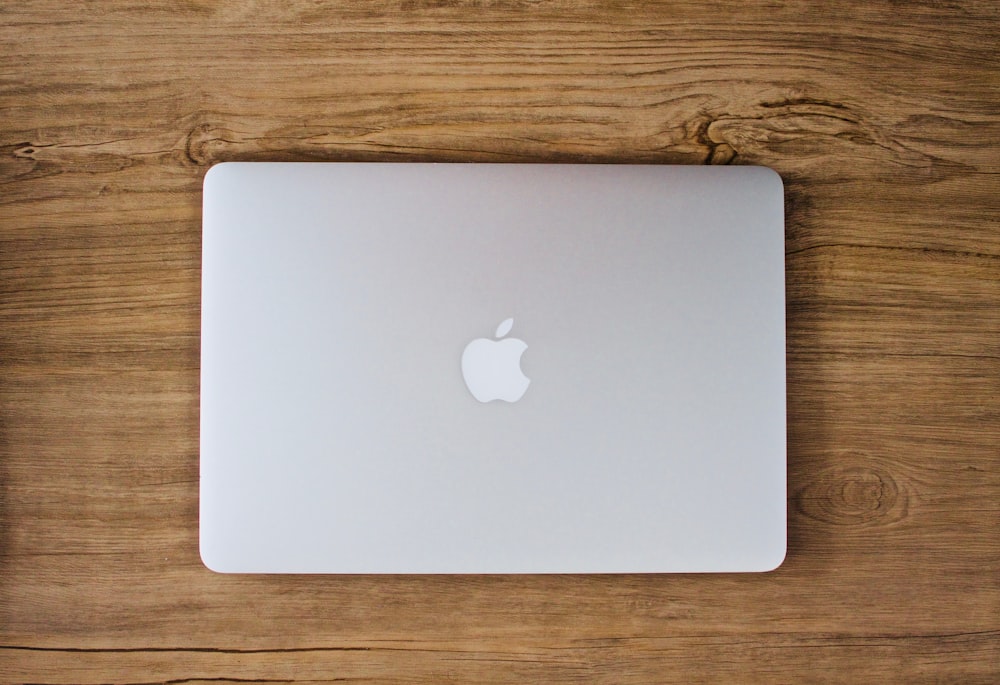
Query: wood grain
x,y
883,118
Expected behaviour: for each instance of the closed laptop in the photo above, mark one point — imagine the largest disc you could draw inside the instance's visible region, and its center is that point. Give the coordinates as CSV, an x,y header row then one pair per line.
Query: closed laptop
x,y
492,368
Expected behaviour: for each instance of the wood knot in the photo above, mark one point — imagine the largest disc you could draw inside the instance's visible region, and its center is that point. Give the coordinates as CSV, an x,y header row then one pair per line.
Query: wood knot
x,y
25,151
207,144
853,494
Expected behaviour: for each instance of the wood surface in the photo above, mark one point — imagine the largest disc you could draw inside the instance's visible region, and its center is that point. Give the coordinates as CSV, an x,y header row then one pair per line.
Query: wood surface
x,y
883,118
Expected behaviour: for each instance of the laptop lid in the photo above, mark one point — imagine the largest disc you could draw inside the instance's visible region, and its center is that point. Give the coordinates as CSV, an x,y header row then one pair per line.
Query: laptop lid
x,y
492,368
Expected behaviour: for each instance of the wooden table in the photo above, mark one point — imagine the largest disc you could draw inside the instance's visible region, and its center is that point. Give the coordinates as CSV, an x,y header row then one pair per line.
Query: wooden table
x,y
883,119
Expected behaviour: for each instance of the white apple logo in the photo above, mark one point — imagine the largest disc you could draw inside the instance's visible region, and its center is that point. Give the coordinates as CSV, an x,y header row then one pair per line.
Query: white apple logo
x,y
492,368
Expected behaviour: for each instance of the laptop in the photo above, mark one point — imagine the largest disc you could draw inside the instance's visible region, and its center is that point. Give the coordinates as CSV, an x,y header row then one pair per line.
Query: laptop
x,y
492,368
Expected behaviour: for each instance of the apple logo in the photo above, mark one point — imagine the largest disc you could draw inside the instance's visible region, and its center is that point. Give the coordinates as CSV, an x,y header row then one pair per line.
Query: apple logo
x,y
492,368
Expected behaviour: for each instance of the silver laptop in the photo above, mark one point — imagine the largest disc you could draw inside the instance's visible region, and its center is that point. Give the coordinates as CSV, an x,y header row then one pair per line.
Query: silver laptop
x,y
492,368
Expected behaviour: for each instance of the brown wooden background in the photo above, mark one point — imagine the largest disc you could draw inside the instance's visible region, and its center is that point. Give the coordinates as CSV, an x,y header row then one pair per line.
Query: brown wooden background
x,y
883,119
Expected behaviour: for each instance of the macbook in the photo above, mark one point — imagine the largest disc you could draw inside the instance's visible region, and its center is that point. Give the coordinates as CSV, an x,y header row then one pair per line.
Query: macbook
x,y
492,368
